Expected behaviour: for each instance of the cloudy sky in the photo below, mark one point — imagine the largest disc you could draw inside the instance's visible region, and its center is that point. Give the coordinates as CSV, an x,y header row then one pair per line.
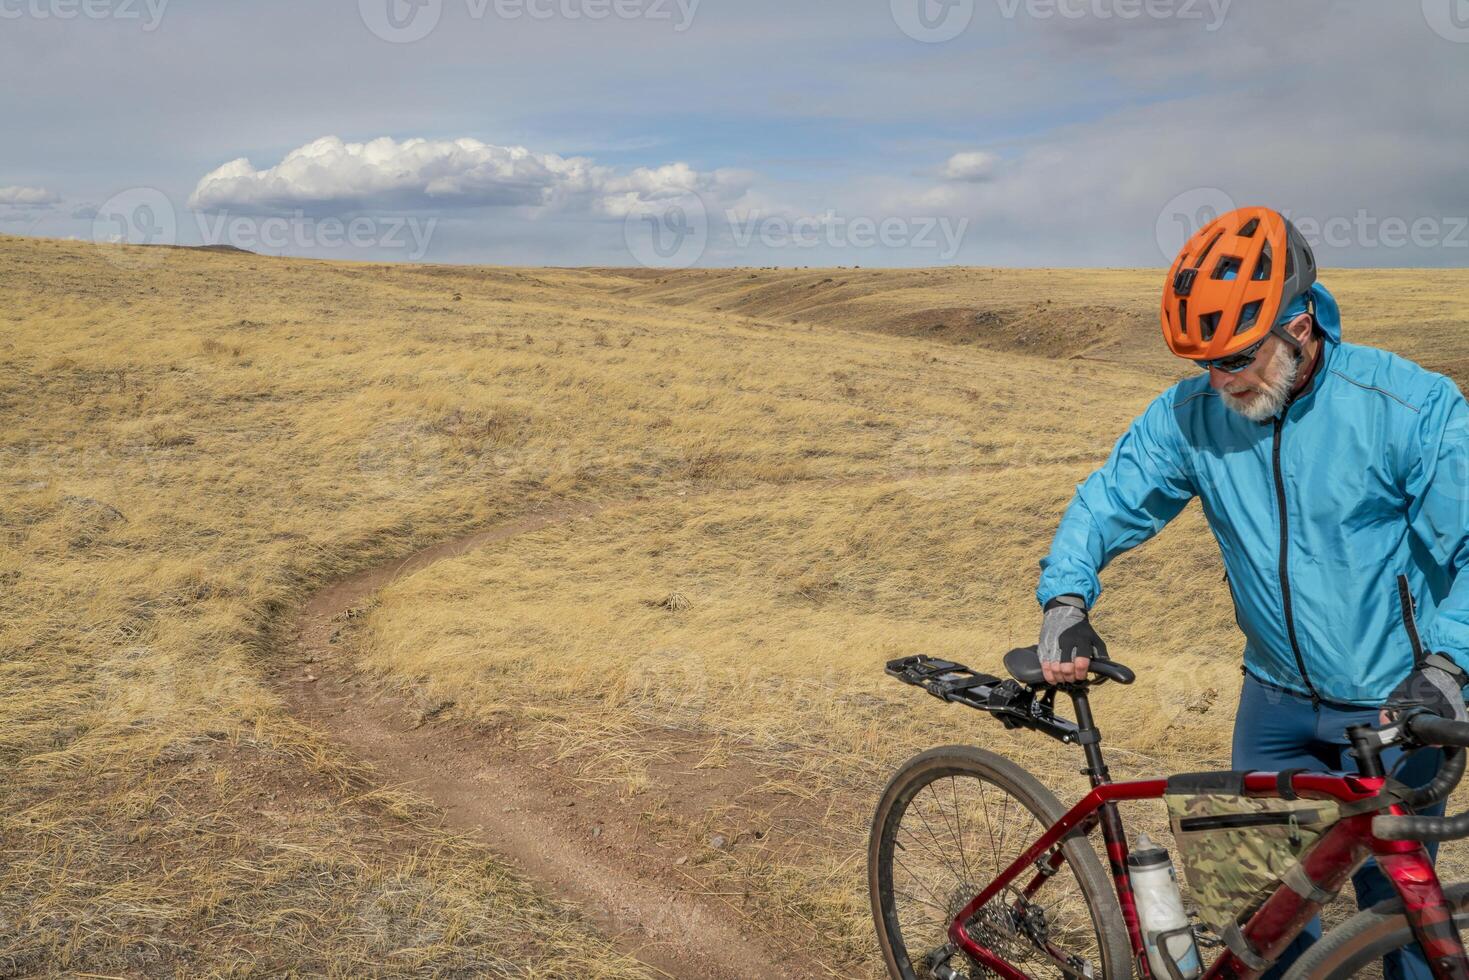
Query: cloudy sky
x,y
737,132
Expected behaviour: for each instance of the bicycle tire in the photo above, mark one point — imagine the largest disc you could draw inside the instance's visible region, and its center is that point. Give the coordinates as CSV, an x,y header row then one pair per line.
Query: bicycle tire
x,y
1114,952
1357,944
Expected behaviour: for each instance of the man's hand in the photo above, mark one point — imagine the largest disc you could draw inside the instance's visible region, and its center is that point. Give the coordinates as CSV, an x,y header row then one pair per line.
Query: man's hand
x,y
1068,643
1437,686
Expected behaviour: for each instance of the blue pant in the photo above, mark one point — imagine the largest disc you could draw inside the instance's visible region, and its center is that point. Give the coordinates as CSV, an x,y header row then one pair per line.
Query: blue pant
x,y
1276,729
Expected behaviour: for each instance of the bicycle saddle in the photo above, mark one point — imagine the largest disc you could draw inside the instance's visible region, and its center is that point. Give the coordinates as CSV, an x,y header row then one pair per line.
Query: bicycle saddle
x,y
1024,664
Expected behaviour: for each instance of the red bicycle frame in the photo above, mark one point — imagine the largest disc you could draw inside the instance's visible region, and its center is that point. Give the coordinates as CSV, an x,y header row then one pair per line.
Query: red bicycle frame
x,y
1285,913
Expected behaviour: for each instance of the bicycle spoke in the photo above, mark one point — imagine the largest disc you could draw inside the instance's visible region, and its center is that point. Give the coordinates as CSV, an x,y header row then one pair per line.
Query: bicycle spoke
x,y
926,849
920,883
984,805
937,855
1004,829
922,901
959,819
913,807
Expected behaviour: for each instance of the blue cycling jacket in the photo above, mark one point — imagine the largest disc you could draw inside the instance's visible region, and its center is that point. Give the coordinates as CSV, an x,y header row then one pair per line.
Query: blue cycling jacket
x,y
1364,477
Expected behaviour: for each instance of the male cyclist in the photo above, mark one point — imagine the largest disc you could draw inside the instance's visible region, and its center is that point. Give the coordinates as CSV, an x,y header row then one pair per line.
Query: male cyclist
x,y
1335,479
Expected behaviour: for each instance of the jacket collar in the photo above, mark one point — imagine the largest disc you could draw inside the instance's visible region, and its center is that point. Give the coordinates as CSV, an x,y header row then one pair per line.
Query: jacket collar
x,y
1318,377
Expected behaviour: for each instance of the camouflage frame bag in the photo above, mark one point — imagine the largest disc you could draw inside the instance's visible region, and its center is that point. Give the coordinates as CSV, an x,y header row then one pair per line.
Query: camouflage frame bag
x,y
1235,849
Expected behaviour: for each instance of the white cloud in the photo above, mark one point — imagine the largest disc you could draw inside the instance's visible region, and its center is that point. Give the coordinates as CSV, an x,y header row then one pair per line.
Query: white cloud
x,y
447,174
28,197
971,166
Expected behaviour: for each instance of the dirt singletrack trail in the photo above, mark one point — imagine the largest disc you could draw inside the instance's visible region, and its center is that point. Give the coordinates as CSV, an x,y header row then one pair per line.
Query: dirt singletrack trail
x,y
579,848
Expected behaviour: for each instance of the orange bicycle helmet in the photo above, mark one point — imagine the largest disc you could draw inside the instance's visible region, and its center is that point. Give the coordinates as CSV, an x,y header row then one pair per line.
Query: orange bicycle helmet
x,y
1232,280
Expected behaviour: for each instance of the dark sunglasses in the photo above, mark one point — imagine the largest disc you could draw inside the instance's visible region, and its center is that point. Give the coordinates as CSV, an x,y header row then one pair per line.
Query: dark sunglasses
x,y
1237,362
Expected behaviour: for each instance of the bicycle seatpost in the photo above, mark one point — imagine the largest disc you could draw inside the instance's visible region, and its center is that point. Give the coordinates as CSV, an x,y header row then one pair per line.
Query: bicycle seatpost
x,y
1088,737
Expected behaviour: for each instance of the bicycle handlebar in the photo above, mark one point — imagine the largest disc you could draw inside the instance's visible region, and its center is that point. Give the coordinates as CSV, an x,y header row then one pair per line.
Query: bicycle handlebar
x,y
1452,736
1430,729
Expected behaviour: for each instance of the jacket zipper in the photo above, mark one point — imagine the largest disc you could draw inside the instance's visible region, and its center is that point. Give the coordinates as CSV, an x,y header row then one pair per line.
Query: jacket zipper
x,y
1290,619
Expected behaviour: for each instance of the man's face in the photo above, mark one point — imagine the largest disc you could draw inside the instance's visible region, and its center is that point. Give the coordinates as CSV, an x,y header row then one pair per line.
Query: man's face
x,y
1259,391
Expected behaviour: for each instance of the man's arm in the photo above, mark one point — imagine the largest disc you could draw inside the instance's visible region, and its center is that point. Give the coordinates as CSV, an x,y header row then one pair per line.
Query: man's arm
x,y
1437,486
1142,486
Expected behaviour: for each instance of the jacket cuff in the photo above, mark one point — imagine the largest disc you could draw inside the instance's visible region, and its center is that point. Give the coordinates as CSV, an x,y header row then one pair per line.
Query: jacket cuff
x,y
1052,585
1448,665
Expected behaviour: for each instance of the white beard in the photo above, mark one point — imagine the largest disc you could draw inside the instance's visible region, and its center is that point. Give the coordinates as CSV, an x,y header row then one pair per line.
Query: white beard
x,y
1270,397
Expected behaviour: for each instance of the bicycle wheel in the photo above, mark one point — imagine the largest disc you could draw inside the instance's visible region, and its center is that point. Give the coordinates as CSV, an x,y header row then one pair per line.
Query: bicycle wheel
x,y
1356,947
948,823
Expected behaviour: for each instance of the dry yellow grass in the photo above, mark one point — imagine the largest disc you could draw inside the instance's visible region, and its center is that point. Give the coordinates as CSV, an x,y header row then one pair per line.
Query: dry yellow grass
x,y
762,620
195,441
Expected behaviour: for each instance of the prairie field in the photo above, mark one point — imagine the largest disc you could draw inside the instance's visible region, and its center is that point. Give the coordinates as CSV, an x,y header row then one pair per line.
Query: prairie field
x,y
754,486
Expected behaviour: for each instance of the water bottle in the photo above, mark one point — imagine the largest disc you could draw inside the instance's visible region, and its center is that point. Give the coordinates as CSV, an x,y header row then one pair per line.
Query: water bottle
x,y
1167,932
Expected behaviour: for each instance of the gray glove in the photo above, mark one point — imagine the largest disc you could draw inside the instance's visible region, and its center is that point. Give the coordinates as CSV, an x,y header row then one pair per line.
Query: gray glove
x,y
1067,634
1437,686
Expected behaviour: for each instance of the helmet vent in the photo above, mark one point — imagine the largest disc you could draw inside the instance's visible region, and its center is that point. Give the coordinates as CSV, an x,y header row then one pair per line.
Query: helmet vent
x,y
1209,248
1228,267
1208,323
1183,317
1249,315
1251,226
1263,267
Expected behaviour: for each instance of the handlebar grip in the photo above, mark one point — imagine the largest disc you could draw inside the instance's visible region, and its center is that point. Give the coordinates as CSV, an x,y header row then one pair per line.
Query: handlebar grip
x,y
1113,671
1432,730
1389,827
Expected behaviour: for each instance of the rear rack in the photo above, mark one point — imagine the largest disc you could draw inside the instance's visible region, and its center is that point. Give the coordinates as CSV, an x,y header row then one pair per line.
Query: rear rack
x,y
1013,703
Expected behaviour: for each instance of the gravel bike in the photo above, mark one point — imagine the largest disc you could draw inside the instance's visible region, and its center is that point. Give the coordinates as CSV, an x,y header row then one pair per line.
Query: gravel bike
x,y
976,869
